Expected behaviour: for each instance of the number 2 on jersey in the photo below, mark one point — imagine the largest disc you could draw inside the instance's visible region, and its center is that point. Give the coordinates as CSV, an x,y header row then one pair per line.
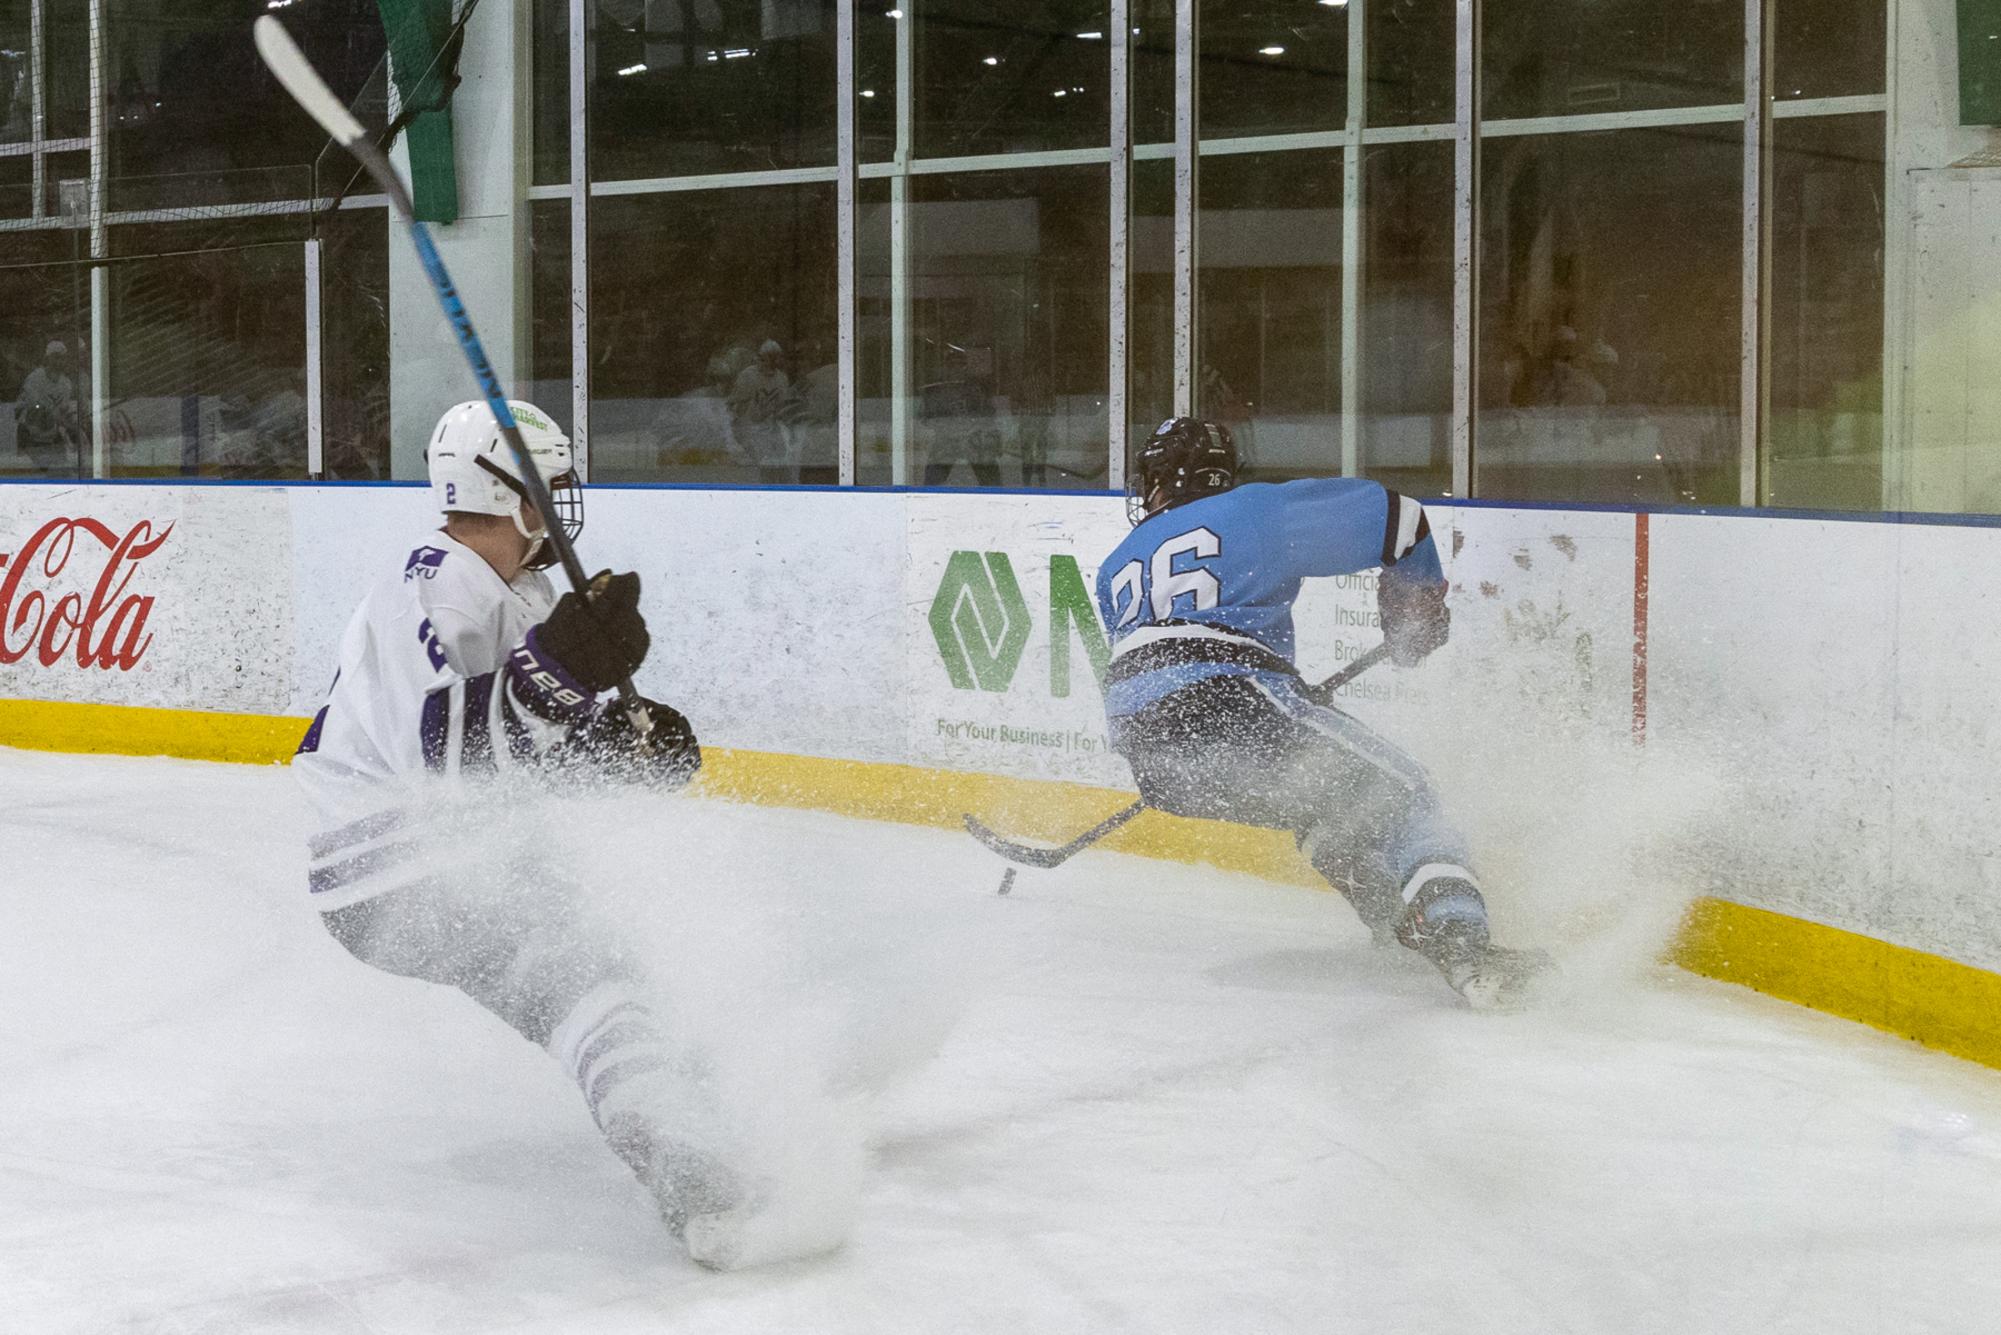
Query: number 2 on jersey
x,y
1156,584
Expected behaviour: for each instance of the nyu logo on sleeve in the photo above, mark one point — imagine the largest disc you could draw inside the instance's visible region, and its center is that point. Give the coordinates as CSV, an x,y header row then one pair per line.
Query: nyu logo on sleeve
x,y
423,564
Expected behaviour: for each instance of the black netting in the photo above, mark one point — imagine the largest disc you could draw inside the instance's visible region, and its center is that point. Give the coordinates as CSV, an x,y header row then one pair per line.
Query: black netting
x,y
215,186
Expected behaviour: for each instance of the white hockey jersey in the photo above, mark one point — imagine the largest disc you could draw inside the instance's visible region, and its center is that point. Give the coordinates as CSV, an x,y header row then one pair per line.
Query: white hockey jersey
x,y
420,695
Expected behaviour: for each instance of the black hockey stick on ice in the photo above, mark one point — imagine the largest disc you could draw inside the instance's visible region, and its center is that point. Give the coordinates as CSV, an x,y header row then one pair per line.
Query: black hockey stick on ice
x,y
1028,855
310,91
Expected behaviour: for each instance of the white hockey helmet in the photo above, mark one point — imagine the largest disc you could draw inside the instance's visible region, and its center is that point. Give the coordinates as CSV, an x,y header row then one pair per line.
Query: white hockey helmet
x,y
473,470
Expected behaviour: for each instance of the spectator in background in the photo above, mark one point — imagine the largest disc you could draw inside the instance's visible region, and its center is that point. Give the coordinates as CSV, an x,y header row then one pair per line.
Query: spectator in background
x,y
758,401
46,426
958,417
1570,375
1033,405
816,412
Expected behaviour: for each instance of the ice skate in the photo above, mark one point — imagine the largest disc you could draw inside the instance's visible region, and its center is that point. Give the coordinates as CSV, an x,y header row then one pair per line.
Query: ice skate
x,y
759,1229
1447,924
725,1220
1496,978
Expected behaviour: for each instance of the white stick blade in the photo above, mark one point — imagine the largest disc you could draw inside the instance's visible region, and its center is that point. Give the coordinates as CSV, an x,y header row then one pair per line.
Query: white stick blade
x,y
304,83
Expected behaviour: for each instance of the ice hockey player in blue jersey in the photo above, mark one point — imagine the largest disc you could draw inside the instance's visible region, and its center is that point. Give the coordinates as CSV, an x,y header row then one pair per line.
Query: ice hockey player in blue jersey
x,y
1203,700
462,674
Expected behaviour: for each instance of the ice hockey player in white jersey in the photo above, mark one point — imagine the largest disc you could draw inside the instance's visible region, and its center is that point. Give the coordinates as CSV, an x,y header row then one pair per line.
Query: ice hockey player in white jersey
x,y
462,672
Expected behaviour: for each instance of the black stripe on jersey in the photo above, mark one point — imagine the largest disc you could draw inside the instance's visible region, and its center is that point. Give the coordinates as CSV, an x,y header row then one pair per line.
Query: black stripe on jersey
x,y
476,751
1393,514
1181,652
434,729
520,742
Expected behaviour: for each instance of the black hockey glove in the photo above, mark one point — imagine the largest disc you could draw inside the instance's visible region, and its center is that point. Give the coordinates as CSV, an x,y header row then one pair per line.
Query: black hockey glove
x,y
664,759
1415,619
598,641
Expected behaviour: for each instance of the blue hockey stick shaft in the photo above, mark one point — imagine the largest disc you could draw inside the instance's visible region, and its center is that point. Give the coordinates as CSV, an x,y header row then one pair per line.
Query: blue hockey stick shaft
x,y
306,86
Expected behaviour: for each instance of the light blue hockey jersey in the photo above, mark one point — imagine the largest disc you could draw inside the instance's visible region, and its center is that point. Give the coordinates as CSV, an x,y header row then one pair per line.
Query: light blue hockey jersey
x,y
1206,588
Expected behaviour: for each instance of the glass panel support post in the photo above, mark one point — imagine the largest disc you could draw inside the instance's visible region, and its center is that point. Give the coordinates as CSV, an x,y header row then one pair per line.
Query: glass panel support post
x,y
1897,436
580,235
38,79
100,289
316,466
899,257
845,194
1118,416
1187,107
1352,258
1465,242
1753,383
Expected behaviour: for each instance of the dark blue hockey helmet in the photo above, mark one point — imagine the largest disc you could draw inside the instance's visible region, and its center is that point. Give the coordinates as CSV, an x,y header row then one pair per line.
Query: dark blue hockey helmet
x,y
1184,459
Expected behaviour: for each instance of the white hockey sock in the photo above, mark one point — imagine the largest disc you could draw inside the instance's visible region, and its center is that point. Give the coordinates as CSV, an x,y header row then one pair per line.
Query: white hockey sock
x,y
612,1047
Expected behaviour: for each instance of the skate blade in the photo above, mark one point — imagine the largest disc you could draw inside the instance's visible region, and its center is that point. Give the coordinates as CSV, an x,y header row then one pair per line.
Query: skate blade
x,y
752,1235
1513,986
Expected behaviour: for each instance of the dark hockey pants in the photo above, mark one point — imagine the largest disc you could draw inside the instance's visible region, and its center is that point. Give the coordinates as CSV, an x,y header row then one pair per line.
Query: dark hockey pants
x,y
1255,750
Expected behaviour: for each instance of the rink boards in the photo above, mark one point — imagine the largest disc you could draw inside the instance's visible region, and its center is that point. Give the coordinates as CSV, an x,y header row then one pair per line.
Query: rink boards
x,y
915,655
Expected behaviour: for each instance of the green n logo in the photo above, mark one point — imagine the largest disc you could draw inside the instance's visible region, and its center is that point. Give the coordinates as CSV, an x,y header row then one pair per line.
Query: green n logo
x,y
1071,609
980,621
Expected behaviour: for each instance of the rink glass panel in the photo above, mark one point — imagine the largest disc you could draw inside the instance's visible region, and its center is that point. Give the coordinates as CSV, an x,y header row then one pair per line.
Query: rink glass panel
x,y
1269,310
66,34
545,370
1576,57
1271,66
875,79
208,350
1008,333
713,336
1411,55
354,346
1828,48
194,118
723,86
1150,305
44,297
1825,430
549,76
1609,353
1022,77
1405,418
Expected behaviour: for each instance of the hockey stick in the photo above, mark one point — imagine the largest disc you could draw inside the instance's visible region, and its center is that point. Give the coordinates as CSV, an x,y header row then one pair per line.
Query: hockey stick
x,y
310,91
1028,855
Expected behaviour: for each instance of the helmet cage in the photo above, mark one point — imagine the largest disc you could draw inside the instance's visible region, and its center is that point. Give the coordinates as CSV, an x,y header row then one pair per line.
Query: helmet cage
x,y
566,498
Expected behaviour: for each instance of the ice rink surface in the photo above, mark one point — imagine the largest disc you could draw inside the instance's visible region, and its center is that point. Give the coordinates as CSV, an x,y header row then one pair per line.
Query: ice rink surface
x,y
1130,1097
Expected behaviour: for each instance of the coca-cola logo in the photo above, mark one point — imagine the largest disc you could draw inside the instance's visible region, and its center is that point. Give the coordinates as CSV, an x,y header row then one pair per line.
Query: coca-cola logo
x,y
105,630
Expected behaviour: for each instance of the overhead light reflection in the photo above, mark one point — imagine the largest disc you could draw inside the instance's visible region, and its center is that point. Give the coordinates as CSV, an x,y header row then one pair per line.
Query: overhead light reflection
x,y
633,69
1271,50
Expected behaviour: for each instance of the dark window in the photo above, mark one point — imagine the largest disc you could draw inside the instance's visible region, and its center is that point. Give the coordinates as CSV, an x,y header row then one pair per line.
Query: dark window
x,y
1609,339
712,335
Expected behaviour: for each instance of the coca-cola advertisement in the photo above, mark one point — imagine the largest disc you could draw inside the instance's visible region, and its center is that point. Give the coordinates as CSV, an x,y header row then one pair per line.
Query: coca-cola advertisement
x,y
164,596
103,629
